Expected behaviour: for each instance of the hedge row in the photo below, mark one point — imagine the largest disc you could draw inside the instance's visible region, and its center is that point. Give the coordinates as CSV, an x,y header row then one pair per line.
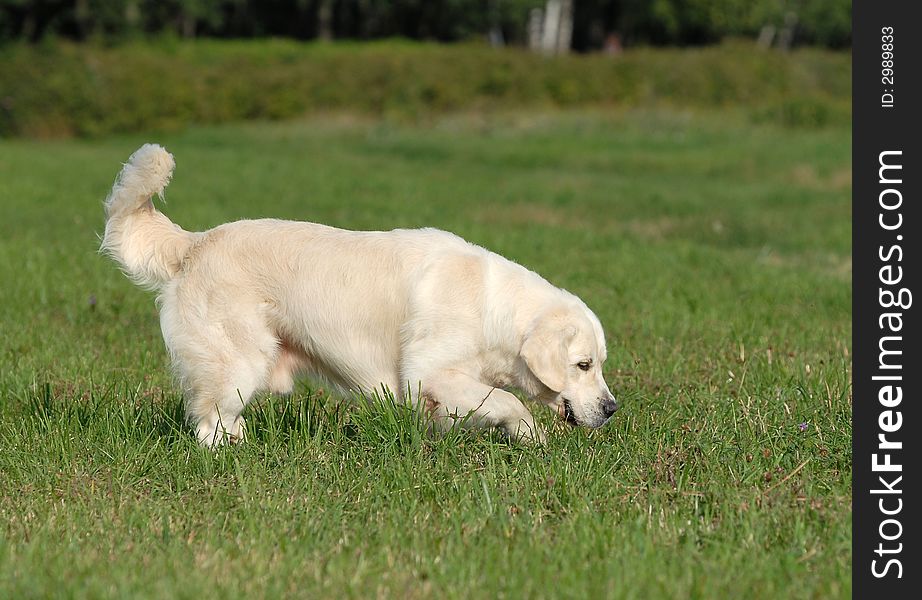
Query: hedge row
x,y
64,89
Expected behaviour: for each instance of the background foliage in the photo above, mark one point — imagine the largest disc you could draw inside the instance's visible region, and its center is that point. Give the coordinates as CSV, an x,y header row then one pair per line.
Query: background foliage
x,y
59,89
826,22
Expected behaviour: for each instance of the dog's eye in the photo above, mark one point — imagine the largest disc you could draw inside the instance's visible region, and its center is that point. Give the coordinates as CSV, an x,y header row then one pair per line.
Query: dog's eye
x,y
584,365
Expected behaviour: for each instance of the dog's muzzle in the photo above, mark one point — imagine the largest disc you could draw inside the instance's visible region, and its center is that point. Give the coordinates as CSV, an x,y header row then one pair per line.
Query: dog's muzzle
x,y
609,407
566,413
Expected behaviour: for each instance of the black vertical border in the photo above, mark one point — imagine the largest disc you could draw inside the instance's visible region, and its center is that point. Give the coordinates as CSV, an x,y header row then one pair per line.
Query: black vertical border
x,y
876,129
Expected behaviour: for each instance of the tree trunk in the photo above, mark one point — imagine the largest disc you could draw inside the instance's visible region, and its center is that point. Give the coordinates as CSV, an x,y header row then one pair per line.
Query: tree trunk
x,y
557,29
132,14
82,17
551,27
187,23
565,28
495,33
535,20
325,20
786,37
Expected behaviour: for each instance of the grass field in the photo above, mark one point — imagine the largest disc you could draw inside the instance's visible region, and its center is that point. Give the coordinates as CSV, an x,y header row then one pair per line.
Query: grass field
x,y
714,251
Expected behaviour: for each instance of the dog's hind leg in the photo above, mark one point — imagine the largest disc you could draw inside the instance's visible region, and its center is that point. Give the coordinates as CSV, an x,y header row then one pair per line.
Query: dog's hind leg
x,y
215,411
221,365
290,360
218,393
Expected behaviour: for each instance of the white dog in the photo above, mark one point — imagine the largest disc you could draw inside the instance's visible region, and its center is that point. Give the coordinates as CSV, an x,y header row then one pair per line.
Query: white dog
x,y
436,320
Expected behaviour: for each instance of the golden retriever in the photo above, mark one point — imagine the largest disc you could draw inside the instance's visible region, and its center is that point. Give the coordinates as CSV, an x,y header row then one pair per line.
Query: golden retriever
x,y
422,314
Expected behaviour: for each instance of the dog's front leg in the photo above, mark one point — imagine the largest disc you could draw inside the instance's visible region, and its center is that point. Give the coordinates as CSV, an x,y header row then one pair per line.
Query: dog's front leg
x,y
452,398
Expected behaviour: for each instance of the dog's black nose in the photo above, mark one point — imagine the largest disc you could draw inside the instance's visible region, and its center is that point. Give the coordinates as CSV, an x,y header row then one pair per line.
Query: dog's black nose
x,y
609,406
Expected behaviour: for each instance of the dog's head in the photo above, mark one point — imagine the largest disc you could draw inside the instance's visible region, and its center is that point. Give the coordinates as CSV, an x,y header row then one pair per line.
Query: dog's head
x,y
565,349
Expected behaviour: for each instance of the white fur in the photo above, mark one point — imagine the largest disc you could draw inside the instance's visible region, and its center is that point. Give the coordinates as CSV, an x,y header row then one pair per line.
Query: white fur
x,y
250,305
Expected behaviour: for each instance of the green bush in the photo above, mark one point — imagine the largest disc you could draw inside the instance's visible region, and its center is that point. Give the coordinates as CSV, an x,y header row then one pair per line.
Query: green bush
x,y
62,89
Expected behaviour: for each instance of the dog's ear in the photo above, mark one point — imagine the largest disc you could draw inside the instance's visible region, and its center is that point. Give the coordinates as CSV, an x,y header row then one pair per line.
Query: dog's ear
x,y
545,351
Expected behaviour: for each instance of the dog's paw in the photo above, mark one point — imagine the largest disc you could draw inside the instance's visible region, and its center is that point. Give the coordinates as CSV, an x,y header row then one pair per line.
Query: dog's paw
x,y
211,433
526,432
238,432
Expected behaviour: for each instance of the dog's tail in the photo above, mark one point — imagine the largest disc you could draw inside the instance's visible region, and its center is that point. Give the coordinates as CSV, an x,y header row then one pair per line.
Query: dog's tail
x,y
149,247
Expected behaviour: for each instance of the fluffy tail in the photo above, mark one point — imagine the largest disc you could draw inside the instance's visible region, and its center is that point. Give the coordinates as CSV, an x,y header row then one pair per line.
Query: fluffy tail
x,y
149,247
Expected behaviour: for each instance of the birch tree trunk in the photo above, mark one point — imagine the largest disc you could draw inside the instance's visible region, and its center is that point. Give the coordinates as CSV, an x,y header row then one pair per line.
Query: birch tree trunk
x,y
325,20
551,26
565,28
557,27
535,24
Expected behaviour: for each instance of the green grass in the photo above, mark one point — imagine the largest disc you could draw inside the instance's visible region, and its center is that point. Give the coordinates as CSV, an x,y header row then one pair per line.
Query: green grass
x,y
714,251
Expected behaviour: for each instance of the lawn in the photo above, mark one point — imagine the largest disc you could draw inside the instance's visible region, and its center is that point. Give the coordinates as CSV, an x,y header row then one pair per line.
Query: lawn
x,y
715,251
